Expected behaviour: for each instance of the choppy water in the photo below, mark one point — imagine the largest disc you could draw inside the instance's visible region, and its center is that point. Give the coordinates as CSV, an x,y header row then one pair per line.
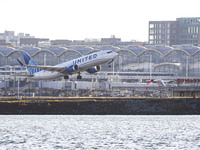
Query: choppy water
x,y
99,132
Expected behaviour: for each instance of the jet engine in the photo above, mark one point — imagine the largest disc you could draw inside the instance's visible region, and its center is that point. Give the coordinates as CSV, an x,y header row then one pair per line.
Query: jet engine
x,y
71,69
94,69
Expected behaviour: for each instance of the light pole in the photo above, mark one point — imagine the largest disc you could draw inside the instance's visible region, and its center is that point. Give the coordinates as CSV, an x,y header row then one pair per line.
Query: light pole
x,y
18,89
150,67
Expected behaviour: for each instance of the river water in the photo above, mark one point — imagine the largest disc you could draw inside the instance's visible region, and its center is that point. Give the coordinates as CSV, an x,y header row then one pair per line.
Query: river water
x,y
27,132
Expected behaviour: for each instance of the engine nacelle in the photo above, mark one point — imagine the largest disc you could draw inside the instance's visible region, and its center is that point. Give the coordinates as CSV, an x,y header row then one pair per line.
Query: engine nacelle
x,y
94,69
71,69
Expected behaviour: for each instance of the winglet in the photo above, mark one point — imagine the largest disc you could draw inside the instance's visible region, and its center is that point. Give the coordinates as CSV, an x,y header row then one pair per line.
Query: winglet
x,y
20,62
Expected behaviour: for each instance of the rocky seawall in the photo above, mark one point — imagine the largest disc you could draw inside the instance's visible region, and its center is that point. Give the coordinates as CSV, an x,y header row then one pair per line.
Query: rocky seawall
x,y
102,106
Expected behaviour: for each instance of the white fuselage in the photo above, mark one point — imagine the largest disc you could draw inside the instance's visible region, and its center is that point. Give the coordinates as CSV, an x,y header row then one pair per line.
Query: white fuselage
x,y
84,63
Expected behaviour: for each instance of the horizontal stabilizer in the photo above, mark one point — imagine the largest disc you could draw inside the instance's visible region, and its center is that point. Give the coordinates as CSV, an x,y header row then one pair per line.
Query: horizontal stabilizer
x,y
20,62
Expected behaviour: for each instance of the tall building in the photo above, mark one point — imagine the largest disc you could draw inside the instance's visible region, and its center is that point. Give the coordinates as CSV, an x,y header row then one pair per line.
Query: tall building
x,y
163,32
181,31
189,30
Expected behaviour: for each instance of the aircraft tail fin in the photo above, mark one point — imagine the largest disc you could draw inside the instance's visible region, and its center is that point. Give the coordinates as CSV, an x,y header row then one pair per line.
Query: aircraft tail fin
x,y
149,82
30,62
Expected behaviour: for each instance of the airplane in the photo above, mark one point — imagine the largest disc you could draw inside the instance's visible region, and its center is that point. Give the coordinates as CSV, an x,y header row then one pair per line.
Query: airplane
x,y
90,63
159,81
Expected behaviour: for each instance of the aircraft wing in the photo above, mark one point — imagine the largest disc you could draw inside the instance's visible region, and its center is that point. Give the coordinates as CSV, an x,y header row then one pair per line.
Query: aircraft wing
x,y
48,68
22,75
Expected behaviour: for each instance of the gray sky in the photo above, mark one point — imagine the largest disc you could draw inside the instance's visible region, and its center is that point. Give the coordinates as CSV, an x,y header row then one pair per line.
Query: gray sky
x,y
80,19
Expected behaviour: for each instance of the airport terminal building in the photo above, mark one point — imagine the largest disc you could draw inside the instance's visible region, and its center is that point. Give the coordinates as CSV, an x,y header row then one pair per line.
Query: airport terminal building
x,y
133,64
179,61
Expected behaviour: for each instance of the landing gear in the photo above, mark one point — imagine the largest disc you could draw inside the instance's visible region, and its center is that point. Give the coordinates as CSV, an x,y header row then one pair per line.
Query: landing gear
x,y
79,76
66,77
109,63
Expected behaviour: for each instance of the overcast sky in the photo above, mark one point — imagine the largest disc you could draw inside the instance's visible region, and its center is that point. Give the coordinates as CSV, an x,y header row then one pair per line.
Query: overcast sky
x,y
80,19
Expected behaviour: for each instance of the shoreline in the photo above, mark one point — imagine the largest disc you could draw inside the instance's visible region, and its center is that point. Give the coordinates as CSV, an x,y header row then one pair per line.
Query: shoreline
x,y
100,106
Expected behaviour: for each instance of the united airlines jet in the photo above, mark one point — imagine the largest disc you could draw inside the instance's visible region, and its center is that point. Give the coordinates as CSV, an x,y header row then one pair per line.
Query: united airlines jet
x,y
90,63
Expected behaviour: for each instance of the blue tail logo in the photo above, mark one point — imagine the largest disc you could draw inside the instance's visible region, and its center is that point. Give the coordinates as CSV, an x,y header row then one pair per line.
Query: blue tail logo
x,y
30,62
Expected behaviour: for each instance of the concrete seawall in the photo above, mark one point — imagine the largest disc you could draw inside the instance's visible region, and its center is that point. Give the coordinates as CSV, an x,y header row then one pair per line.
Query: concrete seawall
x,y
101,106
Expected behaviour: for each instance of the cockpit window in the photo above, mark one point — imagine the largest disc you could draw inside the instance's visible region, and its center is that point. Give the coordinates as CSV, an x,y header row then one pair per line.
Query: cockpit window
x,y
109,52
